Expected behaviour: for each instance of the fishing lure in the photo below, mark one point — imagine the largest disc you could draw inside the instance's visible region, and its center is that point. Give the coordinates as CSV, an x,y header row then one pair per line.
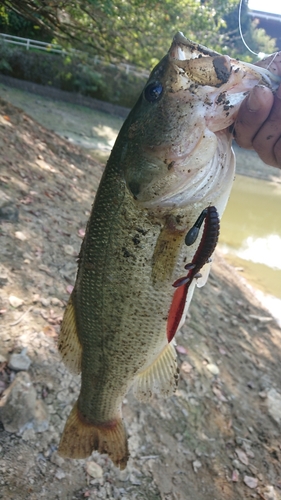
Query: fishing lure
x,y
192,234
205,249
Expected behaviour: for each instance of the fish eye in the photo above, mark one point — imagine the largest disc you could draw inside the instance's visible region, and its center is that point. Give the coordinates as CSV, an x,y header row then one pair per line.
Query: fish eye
x,y
153,92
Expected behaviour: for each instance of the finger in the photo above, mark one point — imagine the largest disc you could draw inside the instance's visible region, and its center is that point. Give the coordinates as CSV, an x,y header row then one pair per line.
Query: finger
x,y
253,111
272,63
267,141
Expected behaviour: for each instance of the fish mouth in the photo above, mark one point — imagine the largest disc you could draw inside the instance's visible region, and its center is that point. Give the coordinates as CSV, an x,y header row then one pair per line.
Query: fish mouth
x,y
210,68
268,76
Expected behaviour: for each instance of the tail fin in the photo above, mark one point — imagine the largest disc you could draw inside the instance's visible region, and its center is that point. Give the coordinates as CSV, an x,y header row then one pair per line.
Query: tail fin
x,y
81,438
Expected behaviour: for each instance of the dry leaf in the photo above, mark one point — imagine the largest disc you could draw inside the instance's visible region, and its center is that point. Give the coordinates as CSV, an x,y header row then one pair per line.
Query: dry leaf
x,y
49,331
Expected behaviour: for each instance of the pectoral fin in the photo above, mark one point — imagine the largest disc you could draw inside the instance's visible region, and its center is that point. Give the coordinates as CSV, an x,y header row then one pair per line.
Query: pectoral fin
x,y
160,377
68,343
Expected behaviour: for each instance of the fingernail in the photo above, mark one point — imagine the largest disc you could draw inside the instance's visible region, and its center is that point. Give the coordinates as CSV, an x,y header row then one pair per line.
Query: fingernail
x,y
253,103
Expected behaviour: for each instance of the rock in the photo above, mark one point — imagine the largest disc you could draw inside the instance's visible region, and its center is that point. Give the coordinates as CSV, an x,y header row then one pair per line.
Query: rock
x,y
3,282
15,301
181,349
19,361
19,409
9,212
274,405
56,459
220,396
41,417
3,359
45,301
60,474
69,289
18,403
253,469
196,465
28,435
214,369
123,475
186,367
235,476
94,470
242,456
238,465
269,493
20,236
261,319
69,250
251,482
56,302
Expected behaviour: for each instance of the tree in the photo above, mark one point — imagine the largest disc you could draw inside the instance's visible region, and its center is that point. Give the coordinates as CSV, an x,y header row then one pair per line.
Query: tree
x,y
13,23
137,31
256,39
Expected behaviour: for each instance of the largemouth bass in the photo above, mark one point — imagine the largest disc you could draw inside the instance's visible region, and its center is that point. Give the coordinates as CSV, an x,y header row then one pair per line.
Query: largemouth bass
x,y
156,213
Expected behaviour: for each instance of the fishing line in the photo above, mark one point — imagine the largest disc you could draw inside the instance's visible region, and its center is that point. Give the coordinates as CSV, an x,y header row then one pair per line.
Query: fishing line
x,y
261,55
240,30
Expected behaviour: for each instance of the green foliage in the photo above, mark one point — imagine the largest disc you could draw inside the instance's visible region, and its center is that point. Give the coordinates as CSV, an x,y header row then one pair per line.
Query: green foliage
x,y
135,31
13,23
139,31
256,38
86,79
261,41
72,73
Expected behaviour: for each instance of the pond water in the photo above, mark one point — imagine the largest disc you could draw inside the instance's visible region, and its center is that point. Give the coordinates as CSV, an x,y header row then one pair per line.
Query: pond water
x,y
251,233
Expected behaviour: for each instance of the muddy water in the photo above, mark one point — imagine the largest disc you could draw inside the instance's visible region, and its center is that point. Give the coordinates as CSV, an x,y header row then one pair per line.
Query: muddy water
x,y
251,232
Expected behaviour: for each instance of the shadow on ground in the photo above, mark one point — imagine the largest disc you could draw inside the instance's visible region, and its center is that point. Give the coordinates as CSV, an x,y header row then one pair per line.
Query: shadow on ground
x,y
217,438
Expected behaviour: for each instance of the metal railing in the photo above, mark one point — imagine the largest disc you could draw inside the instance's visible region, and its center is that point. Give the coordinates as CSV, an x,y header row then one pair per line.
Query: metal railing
x,y
53,47
32,44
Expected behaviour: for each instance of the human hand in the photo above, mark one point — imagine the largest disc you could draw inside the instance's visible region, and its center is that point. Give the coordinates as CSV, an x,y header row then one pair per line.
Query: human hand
x,y
258,123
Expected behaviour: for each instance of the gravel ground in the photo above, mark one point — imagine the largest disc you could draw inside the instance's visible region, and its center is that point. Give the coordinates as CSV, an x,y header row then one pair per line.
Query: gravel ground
x,y
217,438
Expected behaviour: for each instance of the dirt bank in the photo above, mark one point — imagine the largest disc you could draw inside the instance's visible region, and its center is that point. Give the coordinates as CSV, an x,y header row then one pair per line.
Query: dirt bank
x,y
217,438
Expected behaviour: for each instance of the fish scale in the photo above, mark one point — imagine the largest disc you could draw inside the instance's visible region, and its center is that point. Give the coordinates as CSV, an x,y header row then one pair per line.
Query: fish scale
x,y
122,302
172,160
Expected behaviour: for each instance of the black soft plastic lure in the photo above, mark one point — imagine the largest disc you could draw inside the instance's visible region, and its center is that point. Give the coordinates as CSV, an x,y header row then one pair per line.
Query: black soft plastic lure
x,y
192,234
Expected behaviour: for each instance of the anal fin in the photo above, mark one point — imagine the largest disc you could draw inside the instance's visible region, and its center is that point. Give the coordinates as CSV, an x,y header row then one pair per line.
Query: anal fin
x,y
160,377
68,343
